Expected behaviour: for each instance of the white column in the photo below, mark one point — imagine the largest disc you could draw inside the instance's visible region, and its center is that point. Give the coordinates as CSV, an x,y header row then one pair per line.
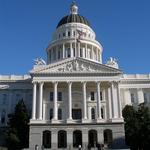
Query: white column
x,y
140,96
86,47
119,102
84,101
114,102
92,52
104,109
98,102
97,54
70,100
55,101
63,50
109,104
40,100
44,111
34,101
85,50
71,50
100,58
78,49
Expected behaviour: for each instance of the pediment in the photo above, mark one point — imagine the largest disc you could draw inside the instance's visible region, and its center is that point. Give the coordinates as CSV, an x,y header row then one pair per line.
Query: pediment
x,y
75,65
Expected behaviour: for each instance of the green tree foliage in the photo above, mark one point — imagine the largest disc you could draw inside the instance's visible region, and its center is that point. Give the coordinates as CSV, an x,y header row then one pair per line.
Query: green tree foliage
x,y
18,134
137,127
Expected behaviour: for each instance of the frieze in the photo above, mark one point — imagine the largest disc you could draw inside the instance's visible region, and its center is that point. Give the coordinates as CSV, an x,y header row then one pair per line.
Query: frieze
x,y
76,66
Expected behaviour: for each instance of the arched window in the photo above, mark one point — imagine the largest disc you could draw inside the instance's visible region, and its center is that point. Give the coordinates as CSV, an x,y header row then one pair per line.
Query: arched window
x,y
51,114
77,138
92,138
93,113
47,139
59,114
62,139
108,137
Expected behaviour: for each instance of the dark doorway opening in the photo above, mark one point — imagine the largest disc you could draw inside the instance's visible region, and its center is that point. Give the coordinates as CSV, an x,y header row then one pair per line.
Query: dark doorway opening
x,y
108,138
47,139
62,139
77,138
92,138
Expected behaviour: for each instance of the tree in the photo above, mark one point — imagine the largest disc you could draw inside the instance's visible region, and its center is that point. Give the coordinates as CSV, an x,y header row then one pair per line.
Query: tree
x,y
18,133
137,126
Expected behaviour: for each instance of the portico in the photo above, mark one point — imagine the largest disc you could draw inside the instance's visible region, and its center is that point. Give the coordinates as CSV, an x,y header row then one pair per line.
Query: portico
x,y
100,100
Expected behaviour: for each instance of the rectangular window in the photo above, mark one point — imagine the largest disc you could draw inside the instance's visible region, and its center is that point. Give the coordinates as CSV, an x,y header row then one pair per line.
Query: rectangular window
x,y
59,114
54,54
145,97
68,33
101,95
76,114
68,52
50,56
59,96
74,53
59,54
3,117
74,33
92,96
132,98
64,34
4,99
51,96
51,114
81,55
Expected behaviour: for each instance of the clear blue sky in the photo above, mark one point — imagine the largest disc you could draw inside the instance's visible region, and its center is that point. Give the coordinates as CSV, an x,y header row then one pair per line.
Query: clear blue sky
x,y
121,26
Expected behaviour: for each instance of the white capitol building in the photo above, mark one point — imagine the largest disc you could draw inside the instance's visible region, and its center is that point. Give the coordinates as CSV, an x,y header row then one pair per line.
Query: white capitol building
x,y
74,98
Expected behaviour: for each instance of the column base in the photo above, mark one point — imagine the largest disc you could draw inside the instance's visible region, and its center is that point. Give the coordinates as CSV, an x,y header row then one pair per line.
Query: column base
x,y
54,121
69,121
85,121
98,120
35,121
117,120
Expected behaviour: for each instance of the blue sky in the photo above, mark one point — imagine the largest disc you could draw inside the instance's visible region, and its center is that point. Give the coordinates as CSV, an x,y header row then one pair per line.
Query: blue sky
x,y
121,26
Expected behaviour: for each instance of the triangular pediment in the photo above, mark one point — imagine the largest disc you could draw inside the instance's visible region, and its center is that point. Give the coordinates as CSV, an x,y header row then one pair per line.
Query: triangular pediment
x,y
75,65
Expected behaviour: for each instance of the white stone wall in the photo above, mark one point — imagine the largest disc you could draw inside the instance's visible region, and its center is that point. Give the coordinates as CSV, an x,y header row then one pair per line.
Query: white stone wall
x,y
12,89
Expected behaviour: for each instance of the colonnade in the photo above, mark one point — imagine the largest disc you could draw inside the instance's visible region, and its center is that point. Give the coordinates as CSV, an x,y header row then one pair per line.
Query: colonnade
x,y
74,49
114,104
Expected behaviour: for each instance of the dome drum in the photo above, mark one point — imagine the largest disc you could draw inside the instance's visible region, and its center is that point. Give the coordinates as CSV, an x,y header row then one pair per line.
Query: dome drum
x,y
71,49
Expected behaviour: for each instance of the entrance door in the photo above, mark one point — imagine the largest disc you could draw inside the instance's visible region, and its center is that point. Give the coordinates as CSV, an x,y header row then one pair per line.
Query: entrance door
x,y
92,138
77,138
76,114
108,137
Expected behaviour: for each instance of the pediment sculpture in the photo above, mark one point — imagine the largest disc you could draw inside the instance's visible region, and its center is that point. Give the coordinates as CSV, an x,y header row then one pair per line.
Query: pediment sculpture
x,y
75,66
39,61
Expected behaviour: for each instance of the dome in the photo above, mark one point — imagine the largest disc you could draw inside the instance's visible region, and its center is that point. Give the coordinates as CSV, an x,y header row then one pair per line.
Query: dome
x,y
74,17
